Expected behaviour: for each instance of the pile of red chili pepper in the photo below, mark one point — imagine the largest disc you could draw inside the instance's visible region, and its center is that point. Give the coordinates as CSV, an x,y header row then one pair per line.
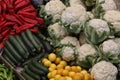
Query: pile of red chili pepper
x,y
17,16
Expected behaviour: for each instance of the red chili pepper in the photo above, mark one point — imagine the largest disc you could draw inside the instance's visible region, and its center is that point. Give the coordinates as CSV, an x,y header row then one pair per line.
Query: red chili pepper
x,y
28,20
12,18
28,15
0,9
7,2
17,2
17,16
23,27
21,5
2,23
1,18
6,26
35,30
29,8
12,1
40,21
2,45
4,6
5,33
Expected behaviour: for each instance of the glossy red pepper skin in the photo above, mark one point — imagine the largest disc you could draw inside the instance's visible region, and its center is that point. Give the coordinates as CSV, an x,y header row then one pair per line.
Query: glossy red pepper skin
x,y
17,16
28,15
27,20
21,5
12,18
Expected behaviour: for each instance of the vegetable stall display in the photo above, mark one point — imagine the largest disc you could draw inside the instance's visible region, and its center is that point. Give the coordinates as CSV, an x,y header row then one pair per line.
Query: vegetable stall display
x,y
61,39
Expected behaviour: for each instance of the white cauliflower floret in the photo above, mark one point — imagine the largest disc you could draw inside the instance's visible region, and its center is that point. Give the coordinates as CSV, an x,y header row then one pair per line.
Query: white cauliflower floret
x,y
57,31
111,46
68,53
55,8
75,2
99,25
70,40
113,17
104,71
90,15
85,50
108,5
75,16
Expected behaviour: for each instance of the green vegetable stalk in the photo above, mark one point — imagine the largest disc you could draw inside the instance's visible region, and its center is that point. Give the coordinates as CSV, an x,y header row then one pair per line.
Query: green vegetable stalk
x,y
5,73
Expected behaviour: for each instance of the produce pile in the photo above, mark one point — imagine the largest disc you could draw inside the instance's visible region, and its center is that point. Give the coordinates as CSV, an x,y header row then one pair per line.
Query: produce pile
x,y
61,39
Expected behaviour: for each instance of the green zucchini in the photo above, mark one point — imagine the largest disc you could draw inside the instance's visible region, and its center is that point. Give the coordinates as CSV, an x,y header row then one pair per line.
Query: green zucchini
x,y
22,44
44,78
17,46
8,59
39,42
27,42
26,76
32,74
31,38
47,46
12,50
8,54
35,70
40,56
39,66
41,36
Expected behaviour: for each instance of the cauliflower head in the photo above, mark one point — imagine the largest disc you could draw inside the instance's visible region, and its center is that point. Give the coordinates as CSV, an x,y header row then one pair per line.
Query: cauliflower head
x,y
68,53
113,17
97,31
99,25
104,71
55,8
110,46
70,40
74,16
85,50
57,31
108,5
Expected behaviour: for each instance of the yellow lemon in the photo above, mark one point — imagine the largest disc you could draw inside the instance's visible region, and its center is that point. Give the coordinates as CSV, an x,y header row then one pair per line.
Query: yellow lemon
x,y
87,77
65,72
84,72
53,66
59,66
47,63
59,71
68,68
76,77
81,75
71,74
52,57
51,69
52,79
64,63
57,77
68,78
49,75
53,73
92,77
79,68
57,61
74,68
44,60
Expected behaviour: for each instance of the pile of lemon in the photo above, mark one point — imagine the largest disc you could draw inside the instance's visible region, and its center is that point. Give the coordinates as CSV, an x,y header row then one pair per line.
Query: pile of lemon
x,y
59,70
